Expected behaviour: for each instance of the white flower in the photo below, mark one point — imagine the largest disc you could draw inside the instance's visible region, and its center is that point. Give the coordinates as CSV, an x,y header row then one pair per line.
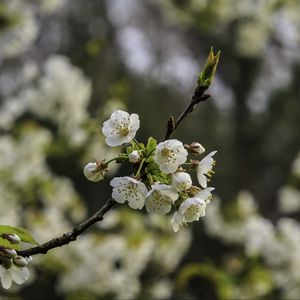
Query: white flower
x,y
169,155
129,189
134,156
93,171
205,194
190,210
120,128
16,274
205,168
160,199
181,181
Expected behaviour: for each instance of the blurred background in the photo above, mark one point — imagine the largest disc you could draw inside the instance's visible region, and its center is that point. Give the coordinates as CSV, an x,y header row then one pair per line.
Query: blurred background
x,y
66,65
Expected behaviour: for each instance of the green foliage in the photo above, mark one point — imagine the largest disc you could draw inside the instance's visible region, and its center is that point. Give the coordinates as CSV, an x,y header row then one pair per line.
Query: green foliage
x,y
222,281
208,73
151,146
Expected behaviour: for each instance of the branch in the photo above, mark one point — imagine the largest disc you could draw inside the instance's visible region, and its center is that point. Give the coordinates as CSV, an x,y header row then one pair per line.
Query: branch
x,y
72,235
198,97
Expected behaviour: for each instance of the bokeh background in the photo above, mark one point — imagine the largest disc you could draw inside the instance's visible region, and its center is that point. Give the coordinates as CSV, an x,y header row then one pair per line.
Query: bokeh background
x,y
65,65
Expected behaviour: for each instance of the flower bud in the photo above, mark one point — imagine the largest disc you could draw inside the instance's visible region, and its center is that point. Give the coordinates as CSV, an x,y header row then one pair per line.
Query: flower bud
x,y
20,261
195,148
94,171
134,156
12,238
10,253
181,181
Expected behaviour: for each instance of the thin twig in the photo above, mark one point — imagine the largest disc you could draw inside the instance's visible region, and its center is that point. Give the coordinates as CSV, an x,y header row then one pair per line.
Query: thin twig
x,y
198,97
72,235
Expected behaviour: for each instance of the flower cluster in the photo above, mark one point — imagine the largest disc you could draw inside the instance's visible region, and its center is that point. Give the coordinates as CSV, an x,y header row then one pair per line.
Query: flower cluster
x,y
12,266
160,180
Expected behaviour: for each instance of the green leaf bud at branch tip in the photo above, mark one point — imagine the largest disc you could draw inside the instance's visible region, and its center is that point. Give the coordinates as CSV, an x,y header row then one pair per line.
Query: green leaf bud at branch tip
x,y
208,73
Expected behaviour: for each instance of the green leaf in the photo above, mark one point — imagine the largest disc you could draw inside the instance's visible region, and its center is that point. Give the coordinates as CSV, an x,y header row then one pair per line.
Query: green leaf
x,y
151,145
22,233
5,243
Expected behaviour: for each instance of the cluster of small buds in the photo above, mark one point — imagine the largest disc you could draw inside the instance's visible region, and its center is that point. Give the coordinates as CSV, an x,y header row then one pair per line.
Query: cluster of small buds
x,y
13,268
160,181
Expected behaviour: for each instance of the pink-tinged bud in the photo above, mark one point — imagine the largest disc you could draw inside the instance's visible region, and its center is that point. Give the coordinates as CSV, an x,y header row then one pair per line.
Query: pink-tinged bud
x,y
20,261
195,148
134,157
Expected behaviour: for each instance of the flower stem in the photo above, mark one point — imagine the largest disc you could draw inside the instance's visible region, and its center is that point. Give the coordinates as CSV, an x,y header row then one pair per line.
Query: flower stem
x,y
116,158
140,168
137,143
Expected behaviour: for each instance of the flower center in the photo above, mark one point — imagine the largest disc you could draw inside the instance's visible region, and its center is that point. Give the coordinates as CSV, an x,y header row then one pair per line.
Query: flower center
x,y
159,198
123,131
191,213
167,153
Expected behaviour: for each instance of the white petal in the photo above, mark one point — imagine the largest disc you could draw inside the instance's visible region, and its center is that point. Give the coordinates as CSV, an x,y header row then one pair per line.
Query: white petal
x,y
119,181
176,221
137,203
181,158
134,122
202,179
118,194
142,188
114,141
173,143
109,129
166,190
153,205
204,194
206,163
18,275
120,115
6,279
168,168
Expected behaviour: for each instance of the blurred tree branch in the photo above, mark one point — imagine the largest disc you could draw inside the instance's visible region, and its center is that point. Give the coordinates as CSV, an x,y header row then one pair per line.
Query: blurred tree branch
x,y
72,235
